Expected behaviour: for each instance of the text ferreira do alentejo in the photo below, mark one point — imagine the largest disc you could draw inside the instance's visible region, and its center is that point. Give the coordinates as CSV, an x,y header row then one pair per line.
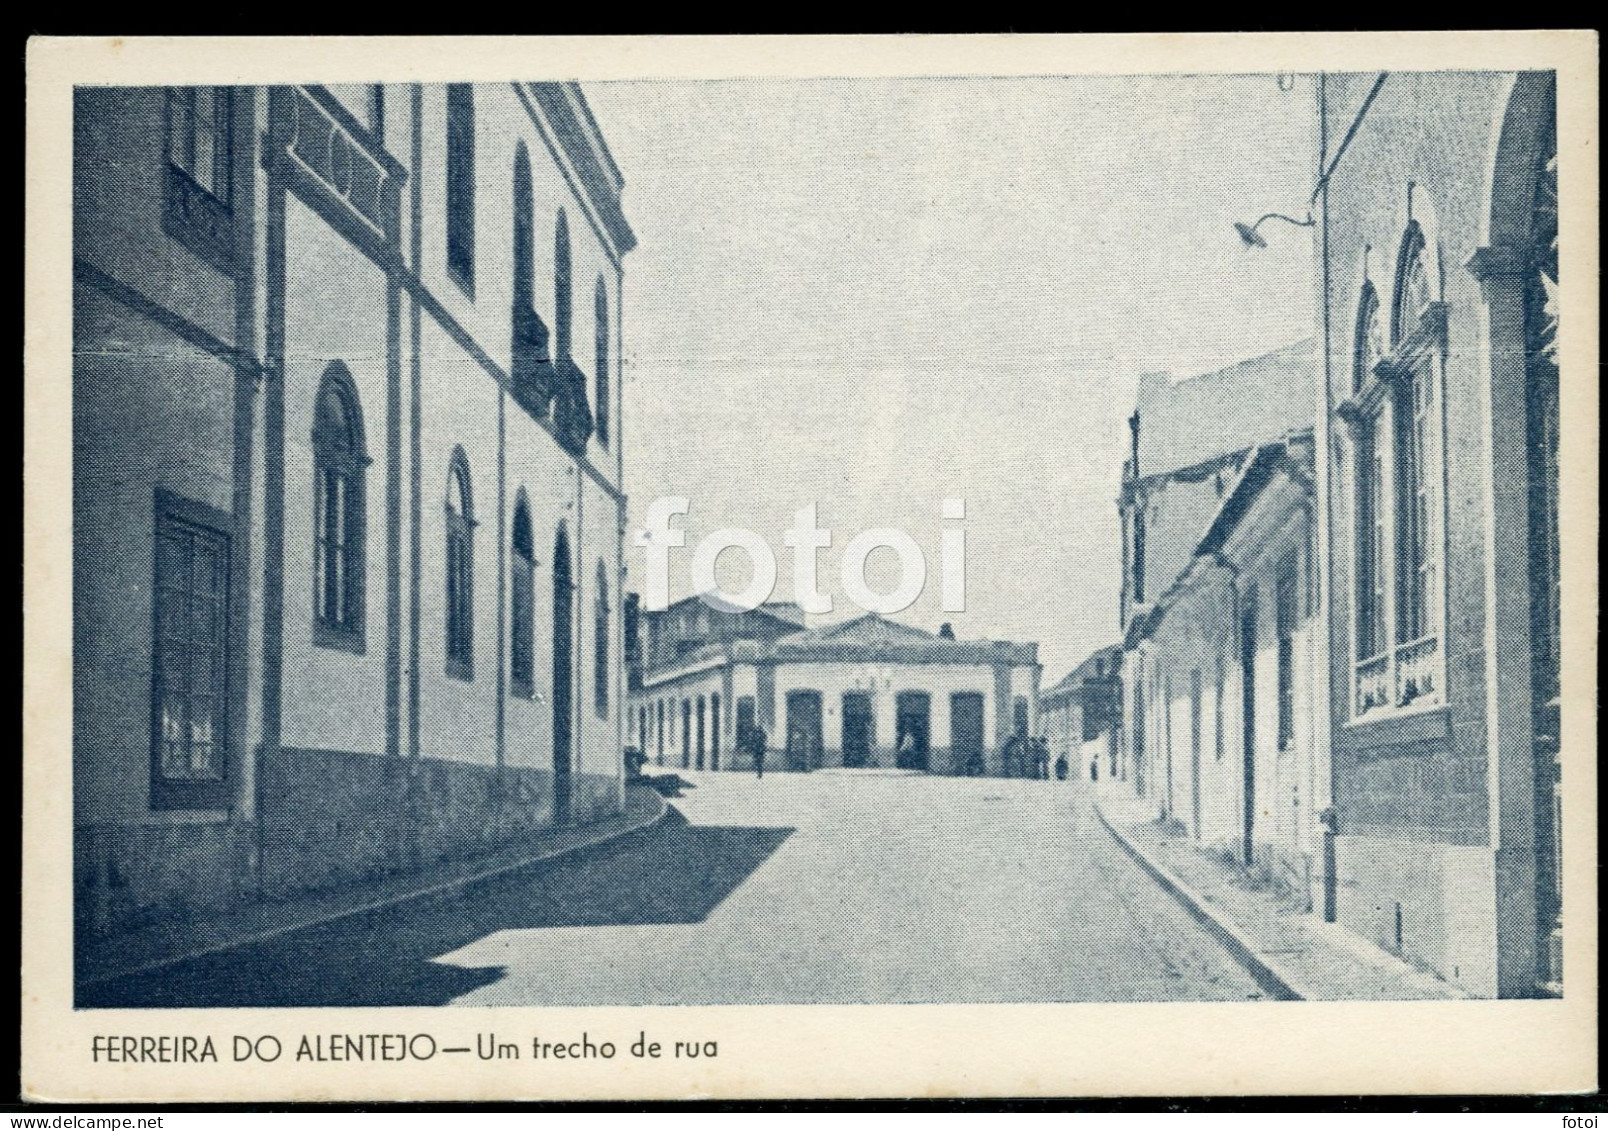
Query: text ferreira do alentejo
x,y
324,1048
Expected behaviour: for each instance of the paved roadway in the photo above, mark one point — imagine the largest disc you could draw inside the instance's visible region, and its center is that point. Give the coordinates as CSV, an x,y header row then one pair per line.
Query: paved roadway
x,y
826,887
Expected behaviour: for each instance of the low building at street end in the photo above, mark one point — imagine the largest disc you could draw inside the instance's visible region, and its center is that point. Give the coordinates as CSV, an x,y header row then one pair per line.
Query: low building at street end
x,y
863,693
1081,716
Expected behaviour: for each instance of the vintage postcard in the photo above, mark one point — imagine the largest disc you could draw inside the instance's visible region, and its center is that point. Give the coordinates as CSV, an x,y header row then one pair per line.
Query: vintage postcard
x,y
911,566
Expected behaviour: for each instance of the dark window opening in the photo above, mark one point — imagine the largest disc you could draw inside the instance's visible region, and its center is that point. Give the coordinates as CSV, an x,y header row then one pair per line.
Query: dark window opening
x,y
522,579
600,652
461,185
601,325
460,570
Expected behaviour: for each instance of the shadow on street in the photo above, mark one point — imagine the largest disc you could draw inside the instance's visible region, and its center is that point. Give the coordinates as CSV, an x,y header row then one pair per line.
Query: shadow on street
x,y
672,873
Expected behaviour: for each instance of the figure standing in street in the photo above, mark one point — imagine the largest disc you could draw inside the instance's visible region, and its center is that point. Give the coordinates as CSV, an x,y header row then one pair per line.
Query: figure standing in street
x,y
756,747
1061,768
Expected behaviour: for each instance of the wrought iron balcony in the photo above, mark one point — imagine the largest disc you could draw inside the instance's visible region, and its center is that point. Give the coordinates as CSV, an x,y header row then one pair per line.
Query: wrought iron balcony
x,y
572,413
535,381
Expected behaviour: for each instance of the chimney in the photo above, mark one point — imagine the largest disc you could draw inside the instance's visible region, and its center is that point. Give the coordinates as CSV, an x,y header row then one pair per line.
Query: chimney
x,y
1133,425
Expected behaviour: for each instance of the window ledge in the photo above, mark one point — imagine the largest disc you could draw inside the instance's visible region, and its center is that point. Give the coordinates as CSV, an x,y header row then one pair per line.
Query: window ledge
x,y
339,639
1394,727
203,815
198,220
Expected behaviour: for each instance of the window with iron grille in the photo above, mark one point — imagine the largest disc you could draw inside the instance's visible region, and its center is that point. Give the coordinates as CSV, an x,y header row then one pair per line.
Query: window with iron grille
x,y
189,756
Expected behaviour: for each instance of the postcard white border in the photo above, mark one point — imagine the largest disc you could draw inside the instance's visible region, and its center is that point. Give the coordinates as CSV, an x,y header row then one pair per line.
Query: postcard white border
x,y
805,1051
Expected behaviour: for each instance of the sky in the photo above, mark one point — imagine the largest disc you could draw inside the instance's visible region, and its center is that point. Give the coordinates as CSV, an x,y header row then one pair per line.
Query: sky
x,y
875,295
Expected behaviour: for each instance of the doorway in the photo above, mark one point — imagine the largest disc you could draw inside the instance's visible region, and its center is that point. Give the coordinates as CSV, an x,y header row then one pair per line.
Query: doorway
x,y
857,732
1247,660
803,730
966,731
563,676
914,713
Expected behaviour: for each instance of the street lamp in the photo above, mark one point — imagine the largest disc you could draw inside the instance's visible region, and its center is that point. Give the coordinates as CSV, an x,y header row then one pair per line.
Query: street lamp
x,y
1252,239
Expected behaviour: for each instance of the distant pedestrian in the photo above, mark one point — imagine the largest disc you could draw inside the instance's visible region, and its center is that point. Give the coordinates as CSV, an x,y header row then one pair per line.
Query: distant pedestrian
x,y
1061,768
756,747
1094,770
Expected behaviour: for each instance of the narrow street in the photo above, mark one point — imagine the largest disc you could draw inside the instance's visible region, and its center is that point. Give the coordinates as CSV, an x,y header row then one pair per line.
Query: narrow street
x,y
836,887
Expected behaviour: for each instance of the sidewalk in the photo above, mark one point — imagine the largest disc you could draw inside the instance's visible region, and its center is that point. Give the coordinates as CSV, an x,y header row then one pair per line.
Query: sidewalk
x,y
1295,955
103,959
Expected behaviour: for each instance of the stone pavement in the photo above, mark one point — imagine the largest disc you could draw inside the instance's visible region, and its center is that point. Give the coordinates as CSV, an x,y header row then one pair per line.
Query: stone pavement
x,y
172,941
1293,954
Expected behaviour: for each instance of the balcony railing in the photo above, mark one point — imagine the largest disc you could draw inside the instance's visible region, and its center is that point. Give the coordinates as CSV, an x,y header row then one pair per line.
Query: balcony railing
x,y
1417,666
1373,684
1407,675
572,413
534,379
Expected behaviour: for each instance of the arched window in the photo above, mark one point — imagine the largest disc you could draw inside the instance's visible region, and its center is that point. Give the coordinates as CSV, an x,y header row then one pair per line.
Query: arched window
x,y
1414,287
522,642
600,651
1369,344
339,462
561,284
1415,451
460,569
703,729
601,324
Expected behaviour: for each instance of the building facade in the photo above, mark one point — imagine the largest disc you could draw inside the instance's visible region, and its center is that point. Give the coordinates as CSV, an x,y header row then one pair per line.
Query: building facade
x,y
1191,441
863,693
1438,241
347,506
1234,665
1342,652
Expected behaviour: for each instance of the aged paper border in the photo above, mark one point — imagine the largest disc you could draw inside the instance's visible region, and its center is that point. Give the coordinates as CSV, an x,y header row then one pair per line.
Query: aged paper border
x,y
785,1051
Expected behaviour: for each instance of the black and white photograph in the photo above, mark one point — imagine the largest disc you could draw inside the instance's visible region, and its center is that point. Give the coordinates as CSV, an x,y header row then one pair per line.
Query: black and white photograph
x,y
1099,534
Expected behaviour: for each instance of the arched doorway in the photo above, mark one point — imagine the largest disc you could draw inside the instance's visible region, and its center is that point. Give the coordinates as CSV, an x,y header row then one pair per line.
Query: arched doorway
x,y
563,675
803,749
